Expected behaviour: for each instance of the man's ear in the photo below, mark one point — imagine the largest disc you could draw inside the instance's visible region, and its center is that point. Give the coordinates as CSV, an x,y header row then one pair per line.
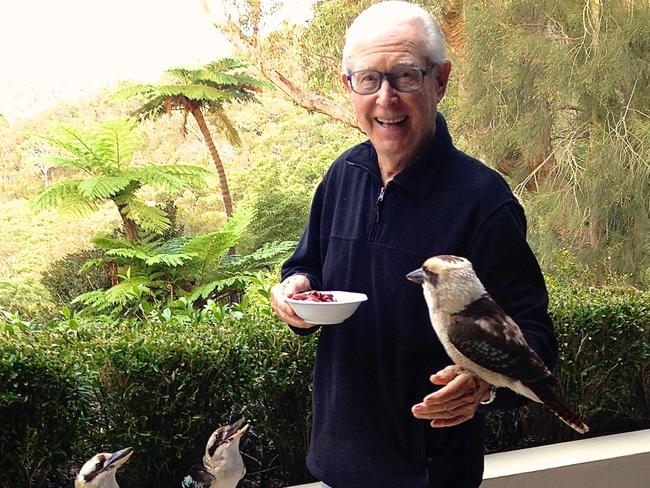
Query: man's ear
x,y
441,72
346,82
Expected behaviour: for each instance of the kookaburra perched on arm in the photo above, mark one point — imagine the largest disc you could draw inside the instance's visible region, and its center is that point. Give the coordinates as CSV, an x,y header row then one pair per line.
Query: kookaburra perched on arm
x,y
222,465
481,338
99,471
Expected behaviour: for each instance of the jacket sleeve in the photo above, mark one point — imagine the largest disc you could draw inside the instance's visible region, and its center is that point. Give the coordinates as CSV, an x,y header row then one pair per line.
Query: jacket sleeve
x,y
510,272
306,259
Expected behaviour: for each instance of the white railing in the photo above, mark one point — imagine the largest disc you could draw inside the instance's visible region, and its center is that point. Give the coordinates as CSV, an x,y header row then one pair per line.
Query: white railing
x,y
613,461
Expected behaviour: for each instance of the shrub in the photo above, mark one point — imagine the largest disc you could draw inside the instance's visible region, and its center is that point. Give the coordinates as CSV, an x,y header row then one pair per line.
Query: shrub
x,y
160,385
65,282
44,404
603,367
164,382
27,298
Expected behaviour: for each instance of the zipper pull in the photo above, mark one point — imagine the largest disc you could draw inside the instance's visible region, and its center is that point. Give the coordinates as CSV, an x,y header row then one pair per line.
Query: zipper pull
x,y
381,195
380,199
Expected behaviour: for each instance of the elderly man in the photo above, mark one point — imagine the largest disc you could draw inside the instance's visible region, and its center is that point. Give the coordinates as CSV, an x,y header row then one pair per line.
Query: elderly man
x,y
380,417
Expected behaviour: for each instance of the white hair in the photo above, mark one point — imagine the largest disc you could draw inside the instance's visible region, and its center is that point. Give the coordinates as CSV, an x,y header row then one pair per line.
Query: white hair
x,y
383,16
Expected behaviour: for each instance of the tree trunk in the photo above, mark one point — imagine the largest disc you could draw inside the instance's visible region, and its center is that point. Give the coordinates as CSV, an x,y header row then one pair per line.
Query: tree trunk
x,y
452,23
130,227
594,17
223,182
309,101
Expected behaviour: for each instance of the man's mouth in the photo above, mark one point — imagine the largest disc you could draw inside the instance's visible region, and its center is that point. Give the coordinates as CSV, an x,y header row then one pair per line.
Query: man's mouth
x,y
391,122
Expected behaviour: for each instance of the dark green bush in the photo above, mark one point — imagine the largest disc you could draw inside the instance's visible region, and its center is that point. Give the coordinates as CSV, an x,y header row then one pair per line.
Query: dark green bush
x,y
603,367
45,398
64,282
162,384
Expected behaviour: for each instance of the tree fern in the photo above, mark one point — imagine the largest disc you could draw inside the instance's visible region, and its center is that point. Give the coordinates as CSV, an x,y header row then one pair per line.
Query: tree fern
x,y
211,248
192,90
104,153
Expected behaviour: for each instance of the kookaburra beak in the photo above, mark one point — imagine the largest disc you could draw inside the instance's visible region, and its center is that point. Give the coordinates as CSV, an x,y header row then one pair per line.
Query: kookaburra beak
x,y
118,458
416,276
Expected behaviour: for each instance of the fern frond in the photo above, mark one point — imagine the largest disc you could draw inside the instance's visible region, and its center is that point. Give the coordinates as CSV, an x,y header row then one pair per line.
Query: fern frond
x,y
55,195
226,64
79,142
172,260
127,253
218,286
78,206
90,264
266,256
171,178
182,74
194,92
151,219
227,126
106,243
210,248
115,141
92,300
103,187
147,90
63,162
63,139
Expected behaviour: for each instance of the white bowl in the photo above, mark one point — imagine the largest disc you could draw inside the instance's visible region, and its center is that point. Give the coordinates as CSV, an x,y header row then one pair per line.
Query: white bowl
x,y
322,313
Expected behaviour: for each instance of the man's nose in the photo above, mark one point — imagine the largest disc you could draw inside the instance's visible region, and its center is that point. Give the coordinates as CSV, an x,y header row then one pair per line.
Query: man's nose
x,y
386,92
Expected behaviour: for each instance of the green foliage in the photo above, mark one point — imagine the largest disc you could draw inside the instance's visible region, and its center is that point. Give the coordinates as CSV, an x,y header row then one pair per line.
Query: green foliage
x,y
603,367
162,385
153,272
553,98
26,298
65,280
279,185
604,337
210,87
104,155
45,403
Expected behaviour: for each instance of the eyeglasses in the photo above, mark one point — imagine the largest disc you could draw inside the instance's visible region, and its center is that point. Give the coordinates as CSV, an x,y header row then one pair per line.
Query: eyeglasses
x,y
401,78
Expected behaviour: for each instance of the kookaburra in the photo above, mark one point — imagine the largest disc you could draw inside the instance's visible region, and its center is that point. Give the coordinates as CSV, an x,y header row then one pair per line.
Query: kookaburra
x,y
99,471
222,465
482,339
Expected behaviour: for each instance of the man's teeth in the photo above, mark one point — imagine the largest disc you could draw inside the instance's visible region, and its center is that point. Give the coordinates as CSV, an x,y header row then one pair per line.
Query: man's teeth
x,y
391,121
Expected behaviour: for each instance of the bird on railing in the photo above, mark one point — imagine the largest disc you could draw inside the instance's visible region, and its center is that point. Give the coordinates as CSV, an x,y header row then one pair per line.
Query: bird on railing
x,y
222,465
99,471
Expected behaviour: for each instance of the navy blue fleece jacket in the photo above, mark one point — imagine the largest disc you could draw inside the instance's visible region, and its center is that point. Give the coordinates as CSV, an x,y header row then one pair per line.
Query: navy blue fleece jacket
x,y
370,370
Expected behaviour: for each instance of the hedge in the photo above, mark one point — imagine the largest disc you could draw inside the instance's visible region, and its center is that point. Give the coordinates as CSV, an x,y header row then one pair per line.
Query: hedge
x,y
72,387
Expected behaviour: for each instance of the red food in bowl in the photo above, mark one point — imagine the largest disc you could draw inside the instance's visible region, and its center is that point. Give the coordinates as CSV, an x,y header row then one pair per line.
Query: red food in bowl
x,y
314,296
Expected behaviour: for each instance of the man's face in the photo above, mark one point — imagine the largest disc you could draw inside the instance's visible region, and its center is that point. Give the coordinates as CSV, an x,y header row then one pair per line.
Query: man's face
x,y
398,123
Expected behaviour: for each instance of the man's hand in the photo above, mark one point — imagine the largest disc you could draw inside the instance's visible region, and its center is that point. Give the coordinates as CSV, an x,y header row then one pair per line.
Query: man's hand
x,y
455,402
288,288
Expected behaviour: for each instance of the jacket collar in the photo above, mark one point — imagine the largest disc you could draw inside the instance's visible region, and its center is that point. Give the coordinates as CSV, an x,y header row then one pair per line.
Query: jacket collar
x,y
419,176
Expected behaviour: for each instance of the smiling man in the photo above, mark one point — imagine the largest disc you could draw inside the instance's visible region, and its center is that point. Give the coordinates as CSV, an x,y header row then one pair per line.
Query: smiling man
x,y
389,407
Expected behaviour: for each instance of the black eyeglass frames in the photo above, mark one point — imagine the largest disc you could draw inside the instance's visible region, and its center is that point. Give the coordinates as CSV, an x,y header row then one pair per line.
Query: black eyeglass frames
x,y
401,78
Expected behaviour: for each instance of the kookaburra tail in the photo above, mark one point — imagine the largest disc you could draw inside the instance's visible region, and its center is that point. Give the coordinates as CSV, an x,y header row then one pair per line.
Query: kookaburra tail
x,y
482,339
